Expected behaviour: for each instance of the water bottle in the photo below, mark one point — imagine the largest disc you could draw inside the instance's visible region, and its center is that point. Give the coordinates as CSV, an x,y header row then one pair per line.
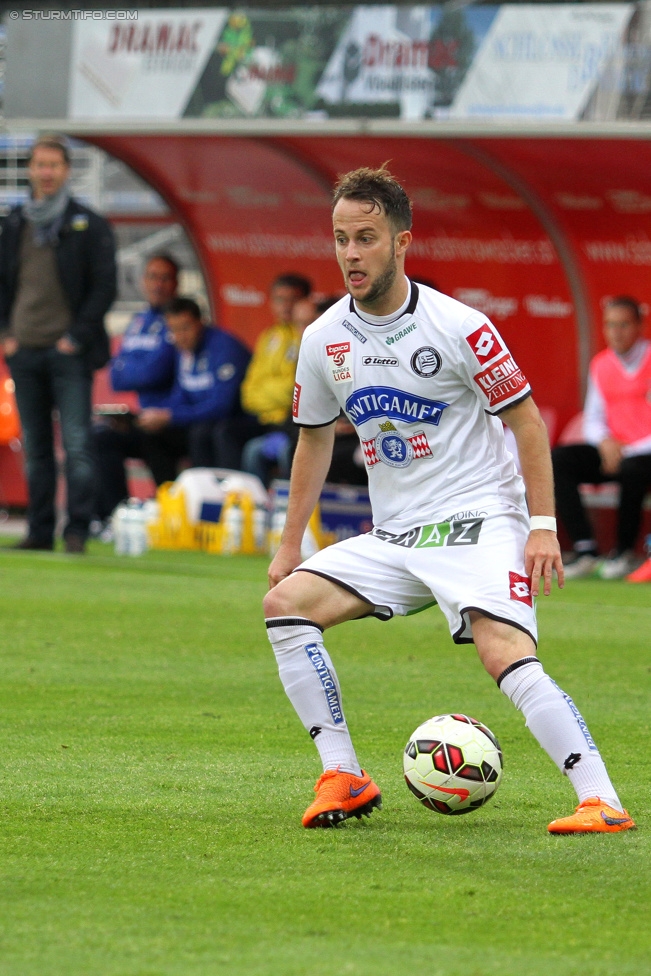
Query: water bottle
x,y
120,535
135,528
233,524
260,521
278,520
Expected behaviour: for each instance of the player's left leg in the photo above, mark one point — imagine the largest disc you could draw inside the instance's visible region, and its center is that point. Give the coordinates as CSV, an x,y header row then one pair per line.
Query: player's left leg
x,y
509,656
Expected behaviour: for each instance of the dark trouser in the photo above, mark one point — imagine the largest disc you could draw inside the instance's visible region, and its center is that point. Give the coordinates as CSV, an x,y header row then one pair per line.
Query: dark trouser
x,y
233,434
46,380
577,464
118,438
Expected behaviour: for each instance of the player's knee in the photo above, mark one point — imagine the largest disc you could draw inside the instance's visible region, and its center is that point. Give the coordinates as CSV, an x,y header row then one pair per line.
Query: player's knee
x,y
279,603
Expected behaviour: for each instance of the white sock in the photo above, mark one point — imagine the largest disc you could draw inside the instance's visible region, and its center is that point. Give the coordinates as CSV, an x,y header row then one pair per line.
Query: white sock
x,y
554,720
311,684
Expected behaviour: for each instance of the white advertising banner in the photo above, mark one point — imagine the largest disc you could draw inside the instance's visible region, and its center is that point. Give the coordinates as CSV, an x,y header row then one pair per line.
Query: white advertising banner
x,y
147,68
382,57
541,61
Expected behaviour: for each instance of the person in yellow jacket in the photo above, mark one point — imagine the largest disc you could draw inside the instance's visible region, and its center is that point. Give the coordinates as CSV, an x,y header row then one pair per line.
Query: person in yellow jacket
x,y
268,385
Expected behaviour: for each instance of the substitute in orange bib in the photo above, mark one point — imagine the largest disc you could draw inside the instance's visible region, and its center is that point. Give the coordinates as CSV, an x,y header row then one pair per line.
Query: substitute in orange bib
x,y
617,430
426,381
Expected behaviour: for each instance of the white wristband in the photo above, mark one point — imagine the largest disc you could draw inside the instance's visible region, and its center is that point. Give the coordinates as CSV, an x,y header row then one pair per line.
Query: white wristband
x,y
543,522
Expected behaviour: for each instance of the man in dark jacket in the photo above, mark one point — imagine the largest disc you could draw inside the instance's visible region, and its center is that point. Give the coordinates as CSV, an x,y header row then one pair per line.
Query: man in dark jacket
x,y
57,281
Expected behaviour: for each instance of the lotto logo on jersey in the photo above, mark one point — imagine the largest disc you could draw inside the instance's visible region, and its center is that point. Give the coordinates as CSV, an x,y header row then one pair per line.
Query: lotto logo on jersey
x,y
339,353
520,589
296,399
486,344
502,380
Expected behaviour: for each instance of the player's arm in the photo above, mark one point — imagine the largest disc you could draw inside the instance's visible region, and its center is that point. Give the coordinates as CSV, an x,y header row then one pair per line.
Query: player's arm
x,y
309,470
542,552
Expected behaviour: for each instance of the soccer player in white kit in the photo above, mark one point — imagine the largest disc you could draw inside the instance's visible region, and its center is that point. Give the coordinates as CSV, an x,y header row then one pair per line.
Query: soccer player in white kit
x,y
427,382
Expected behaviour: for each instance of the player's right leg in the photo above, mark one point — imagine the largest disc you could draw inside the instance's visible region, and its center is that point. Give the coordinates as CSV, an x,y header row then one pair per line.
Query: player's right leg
x,y
297,611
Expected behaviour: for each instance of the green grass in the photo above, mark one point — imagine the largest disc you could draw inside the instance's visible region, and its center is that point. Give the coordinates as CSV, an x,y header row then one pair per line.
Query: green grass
x,y
153,777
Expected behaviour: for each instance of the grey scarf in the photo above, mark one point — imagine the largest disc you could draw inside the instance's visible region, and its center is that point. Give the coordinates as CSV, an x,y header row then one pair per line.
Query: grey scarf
x,y
46,216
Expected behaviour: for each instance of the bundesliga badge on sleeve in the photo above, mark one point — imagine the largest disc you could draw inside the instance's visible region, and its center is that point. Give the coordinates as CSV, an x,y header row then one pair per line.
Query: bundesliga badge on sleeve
x,y
340,361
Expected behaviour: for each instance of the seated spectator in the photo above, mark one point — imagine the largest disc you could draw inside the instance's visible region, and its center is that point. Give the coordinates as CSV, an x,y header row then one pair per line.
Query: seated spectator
x,y
268,386
617,430
144,364
273,452
209,367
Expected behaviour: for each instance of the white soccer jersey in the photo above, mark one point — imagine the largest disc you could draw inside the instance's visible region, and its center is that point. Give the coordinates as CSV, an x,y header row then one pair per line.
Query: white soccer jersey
x,y
423,392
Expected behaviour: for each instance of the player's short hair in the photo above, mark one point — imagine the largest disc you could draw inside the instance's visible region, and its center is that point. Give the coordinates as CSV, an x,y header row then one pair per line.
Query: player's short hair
x,y
51,141
626,301
182,305
298,282
164,256
380,190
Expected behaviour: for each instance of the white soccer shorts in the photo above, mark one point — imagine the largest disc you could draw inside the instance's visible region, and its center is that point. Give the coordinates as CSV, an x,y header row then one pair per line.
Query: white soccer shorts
x,y
463,565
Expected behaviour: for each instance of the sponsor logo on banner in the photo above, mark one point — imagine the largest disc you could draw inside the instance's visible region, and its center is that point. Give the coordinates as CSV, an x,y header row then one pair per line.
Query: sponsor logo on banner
x,y
296,399
541,307
351,328
327,681
379,361
386,401
486,344
426,362
520,589
495,306
339,352
397,336
502,380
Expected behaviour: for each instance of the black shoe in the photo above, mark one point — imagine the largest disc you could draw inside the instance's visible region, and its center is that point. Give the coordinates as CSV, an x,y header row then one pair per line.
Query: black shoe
x,y
31,544
75,545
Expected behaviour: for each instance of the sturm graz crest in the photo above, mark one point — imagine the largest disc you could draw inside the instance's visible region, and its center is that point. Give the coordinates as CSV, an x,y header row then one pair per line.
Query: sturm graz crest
x,y
392,448
426,362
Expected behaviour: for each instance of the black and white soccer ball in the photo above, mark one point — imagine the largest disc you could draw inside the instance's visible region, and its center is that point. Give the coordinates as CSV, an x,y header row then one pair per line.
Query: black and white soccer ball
x,y
453,764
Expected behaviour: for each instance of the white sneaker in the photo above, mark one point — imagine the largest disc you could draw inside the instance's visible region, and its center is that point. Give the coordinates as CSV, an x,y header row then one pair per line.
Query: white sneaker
x,y
582,567
617,567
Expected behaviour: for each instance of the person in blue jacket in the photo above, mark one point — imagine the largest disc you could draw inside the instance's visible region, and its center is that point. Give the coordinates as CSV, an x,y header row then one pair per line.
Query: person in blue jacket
x,y
145,362
145,365
209,368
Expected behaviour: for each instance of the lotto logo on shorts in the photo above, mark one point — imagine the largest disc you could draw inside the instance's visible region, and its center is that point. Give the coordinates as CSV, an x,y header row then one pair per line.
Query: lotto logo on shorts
x,y
520,589
485,344
502,380
296,399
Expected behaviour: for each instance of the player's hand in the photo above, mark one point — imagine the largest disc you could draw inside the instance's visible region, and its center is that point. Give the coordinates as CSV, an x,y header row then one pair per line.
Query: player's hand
x,y
67,346
153,419
283,564
610,452
542,554
10,346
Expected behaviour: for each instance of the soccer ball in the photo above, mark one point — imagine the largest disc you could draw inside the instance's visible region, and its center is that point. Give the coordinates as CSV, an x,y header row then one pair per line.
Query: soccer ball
x,y
453,764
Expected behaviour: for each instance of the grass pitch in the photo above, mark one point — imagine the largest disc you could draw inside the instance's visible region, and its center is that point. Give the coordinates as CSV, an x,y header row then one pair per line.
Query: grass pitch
x,y
153,776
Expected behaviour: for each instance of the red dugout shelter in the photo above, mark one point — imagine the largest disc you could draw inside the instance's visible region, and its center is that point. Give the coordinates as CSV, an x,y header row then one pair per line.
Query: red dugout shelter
x,y
535,226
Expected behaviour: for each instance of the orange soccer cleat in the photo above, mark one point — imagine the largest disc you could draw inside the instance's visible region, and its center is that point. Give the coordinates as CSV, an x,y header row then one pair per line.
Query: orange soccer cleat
x,y
340,796
593,816
642,574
